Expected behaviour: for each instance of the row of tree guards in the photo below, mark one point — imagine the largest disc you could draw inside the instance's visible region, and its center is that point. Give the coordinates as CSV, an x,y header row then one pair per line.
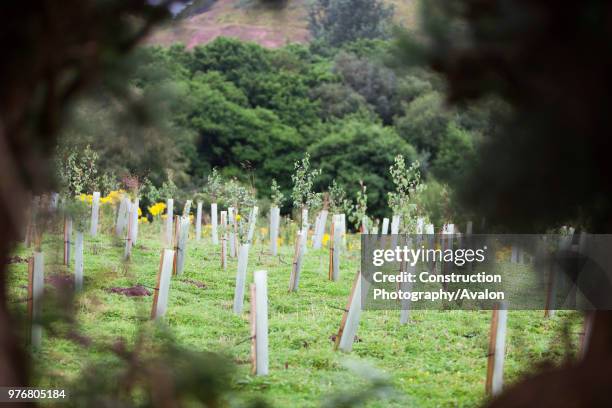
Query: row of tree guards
x,y
236,243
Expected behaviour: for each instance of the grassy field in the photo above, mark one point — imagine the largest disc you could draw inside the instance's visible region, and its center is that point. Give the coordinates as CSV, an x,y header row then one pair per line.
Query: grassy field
x,y
439,359
250,21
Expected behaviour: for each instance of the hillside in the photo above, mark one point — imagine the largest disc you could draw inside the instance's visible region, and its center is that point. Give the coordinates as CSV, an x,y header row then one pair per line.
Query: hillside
x,y
206,20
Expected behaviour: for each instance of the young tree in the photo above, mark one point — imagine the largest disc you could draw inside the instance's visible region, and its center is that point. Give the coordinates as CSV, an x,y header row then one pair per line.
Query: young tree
x,y
214,186
340,21
337,198
277,197
303,180
360,209
241,198
78,172
408,185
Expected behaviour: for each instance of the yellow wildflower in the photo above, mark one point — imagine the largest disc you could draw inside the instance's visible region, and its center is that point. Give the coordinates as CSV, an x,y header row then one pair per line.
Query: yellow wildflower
x,y
114,196
325,238
143,220
238,217
157,209
86,198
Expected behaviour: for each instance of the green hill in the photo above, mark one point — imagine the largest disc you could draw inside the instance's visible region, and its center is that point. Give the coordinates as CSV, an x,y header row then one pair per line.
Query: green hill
x,y
205,20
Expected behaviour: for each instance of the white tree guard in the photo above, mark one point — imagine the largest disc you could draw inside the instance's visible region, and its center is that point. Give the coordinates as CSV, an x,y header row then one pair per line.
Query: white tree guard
x,y
274,225
395,224
164,283
213,223
241,273
127,251
353,316
198,223
252,223
500,350
343,223
406,287
169,220
420,226
224,239
305,228
364,223
320,229
134,221
95,213
67,240
385,226
54,201
296,267
182,244
337,249
187,208
261,314
78,262
38,286
121,222
231,235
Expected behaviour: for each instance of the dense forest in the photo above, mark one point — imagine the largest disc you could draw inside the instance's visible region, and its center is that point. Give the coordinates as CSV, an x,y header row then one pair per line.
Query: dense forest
x,y
252,112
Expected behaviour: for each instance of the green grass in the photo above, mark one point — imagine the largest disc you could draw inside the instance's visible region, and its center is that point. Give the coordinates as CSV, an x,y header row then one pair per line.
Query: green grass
x,y
439,359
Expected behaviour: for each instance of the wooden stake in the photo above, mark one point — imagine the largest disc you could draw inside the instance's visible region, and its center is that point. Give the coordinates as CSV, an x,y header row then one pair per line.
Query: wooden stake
x,y
128,241
585,334
364,225
175,243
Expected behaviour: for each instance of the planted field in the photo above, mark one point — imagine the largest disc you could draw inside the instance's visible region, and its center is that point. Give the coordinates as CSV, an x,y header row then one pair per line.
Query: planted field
x,y
438,359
